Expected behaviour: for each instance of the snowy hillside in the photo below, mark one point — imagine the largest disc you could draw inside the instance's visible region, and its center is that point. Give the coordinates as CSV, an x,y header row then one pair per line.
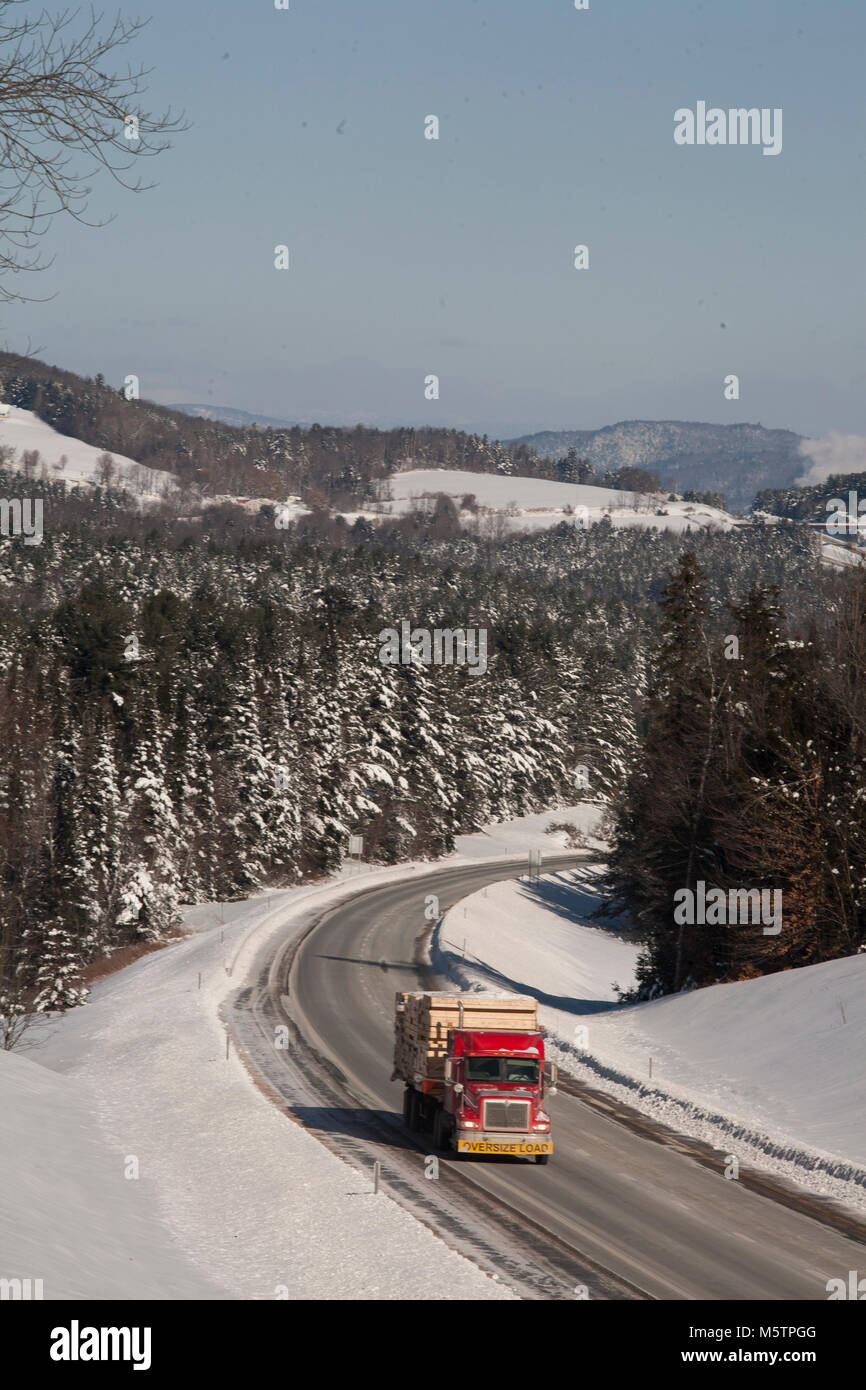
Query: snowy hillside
x,y
768,1069
68,459
522,504
523,833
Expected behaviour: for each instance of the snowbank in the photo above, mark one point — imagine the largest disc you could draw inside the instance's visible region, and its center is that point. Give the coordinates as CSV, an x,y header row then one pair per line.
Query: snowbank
x,y
71,1214
771,1069
528,933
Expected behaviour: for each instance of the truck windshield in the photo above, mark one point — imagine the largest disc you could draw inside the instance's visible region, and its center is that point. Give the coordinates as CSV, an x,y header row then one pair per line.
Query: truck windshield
x,y
502,1069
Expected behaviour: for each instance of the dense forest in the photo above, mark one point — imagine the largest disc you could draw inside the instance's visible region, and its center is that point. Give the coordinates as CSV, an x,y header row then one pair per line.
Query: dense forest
x,y
195,708
818,502
194,704
750,777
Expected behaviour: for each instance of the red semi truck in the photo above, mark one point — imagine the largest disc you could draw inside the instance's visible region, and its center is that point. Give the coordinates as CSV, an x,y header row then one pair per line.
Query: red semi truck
x,y
475,1072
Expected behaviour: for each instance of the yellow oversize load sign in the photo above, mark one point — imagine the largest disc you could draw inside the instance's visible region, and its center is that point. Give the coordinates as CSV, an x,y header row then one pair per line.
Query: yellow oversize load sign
x,y
488,1146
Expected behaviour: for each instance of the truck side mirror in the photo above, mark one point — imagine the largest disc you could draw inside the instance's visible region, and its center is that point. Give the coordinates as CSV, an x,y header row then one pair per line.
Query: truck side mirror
x,y
551,1090
458,1089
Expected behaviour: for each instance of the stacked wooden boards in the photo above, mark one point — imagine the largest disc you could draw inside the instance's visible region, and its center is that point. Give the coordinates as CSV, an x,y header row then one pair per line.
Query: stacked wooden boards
x,y
424,1018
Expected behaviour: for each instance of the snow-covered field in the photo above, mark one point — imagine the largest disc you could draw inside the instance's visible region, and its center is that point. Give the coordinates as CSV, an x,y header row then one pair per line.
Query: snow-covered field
x,y
22,430
535,503
771,1070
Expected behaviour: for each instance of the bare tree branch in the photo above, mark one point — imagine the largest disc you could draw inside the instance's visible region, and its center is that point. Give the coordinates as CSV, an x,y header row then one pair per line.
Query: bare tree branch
x,y
64,120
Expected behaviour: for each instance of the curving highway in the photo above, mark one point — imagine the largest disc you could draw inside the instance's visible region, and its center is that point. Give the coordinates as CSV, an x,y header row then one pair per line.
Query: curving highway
x,y
625,1208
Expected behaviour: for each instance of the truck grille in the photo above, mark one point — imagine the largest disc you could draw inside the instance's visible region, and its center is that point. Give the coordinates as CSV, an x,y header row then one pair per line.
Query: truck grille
x,y
506,1114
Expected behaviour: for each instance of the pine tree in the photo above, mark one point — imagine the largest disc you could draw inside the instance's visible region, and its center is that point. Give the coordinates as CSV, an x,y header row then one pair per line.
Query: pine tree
x,y
150,887
663,842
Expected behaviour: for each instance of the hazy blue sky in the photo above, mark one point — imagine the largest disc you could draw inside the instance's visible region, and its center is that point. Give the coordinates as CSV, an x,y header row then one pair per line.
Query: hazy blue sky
x,y
455,257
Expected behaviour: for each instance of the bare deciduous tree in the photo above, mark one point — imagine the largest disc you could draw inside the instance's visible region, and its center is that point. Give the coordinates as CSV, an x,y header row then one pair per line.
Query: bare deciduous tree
x,y
105,469
64,117
30,462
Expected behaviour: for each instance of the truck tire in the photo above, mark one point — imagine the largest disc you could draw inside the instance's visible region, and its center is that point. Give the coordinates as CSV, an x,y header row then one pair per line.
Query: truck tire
x,y
542,1158
441,1131
407,1101
413,1118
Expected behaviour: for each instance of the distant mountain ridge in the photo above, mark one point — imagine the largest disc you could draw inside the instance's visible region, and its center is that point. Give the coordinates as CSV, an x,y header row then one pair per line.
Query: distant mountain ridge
x,y
241,419
737,460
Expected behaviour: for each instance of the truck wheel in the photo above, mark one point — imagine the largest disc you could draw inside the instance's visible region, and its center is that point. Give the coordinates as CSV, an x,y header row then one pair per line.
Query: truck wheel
x,y
441,1131
413,1118
407,1102
542,1158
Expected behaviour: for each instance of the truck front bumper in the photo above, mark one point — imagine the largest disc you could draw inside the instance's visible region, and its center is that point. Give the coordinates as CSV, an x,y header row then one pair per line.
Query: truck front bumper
x,y
498,1143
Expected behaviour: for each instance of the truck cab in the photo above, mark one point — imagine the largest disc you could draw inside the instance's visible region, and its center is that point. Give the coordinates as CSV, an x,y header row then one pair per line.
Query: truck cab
x,y
495,1084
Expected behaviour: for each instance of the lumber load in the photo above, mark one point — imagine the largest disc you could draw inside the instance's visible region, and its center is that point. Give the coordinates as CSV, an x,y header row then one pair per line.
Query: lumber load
x,y
424,1018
